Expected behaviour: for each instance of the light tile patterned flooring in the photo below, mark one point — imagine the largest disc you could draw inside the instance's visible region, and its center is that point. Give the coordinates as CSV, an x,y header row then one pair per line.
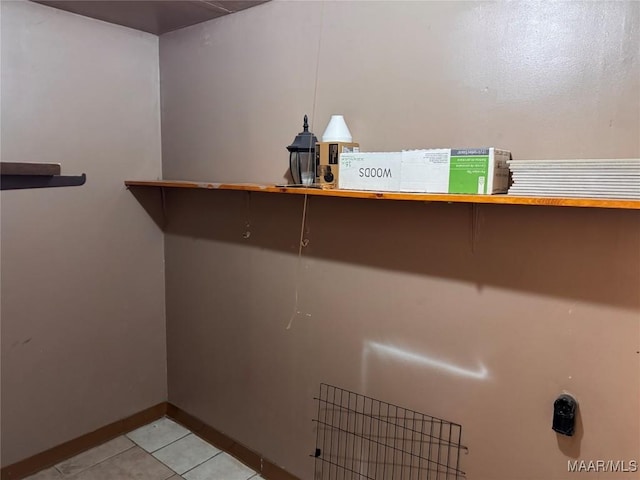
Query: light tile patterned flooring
x,y
162,450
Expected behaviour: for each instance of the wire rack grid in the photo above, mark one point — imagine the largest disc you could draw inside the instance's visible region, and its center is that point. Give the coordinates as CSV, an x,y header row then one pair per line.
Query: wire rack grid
x,y
361,438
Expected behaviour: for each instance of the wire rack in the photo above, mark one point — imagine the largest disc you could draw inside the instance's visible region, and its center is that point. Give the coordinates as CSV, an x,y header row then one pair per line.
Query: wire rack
x,y
361,438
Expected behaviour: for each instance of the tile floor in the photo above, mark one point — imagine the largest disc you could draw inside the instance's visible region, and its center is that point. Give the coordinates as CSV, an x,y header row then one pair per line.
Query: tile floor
x,y
162,450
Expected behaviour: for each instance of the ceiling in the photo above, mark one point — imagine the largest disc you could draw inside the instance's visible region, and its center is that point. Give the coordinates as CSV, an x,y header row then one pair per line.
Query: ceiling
x,y
157,16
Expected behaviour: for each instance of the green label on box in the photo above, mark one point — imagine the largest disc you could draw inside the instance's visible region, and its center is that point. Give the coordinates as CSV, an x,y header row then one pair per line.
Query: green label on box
x,y
468,174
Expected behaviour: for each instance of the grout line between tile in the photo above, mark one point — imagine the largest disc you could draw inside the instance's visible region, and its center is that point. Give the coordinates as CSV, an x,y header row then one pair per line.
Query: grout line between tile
x,y
213,456
170,443
135,445
70,476
154,451
171,474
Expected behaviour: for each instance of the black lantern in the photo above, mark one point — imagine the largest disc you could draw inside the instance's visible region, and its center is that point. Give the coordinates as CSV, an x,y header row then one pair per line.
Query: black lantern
x,y
302,158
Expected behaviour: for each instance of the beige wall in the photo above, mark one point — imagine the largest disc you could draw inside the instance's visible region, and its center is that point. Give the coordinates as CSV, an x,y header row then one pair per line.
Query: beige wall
x,y
528,301
551,80
83,331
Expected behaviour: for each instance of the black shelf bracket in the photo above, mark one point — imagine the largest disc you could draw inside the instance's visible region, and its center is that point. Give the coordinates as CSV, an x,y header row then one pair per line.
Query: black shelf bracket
x,y
16,182
20,175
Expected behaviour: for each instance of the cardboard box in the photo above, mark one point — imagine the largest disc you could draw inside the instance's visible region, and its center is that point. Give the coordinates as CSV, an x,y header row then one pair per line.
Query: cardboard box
x,y
464,171
327,161
370,171
477,171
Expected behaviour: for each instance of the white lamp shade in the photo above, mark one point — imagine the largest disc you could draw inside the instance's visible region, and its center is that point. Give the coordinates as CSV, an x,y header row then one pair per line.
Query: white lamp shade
x,y
337,130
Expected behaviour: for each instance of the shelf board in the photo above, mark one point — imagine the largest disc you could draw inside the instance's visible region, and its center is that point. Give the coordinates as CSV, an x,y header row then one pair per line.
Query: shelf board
x,y
421,197
29,168
24,175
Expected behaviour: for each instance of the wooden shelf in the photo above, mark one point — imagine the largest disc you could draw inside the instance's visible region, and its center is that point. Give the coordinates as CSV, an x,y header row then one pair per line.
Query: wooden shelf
x,y
420,197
